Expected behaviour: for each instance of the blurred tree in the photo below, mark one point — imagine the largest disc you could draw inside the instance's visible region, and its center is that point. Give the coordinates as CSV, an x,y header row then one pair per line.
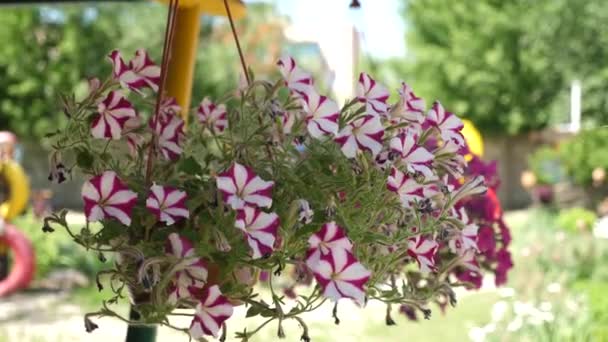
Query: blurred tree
x,y
507,65
48,50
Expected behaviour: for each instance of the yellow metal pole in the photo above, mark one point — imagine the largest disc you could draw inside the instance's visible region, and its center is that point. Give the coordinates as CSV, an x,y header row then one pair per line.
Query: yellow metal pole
x,y
183,55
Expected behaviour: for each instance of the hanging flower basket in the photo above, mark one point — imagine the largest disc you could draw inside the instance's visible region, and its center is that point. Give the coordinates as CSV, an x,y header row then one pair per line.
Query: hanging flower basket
x,y
370,201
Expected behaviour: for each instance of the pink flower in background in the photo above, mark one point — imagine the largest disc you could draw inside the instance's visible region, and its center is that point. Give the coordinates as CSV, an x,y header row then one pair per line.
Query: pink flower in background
x,y
340,275
212,311
362,134
321,114
167,203
296,79
212,116
140,73
423,250
191,271
330,237
486,241
448,124
260,228
106,196
406,187
416,158
240,186
113,112
373,94
169,132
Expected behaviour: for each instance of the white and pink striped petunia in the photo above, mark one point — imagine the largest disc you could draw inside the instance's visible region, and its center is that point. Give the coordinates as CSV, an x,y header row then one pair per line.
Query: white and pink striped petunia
x,y
423,250
240,186
169,107
134,139
260,228
191,270
328,238
413,107
211,116
373,94
364,133
415,157
106,196
296,79
466,238
112,114
169,131
340,275
212,311
448,124
140,73
167,203
406,187
321,114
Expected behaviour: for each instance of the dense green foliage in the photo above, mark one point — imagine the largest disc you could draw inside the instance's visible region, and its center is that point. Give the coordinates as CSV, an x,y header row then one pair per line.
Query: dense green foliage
x,y
546,165
50,50
584,153
508,65
54,252
576,219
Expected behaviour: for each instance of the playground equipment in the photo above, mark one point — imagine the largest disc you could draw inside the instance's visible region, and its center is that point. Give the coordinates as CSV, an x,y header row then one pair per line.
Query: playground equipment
x,y
17,189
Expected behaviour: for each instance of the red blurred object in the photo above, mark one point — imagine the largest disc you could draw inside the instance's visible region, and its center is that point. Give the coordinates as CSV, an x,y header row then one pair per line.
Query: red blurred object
x,y
24,264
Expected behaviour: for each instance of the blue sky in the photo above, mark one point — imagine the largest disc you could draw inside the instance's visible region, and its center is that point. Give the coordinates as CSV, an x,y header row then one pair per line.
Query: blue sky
x,y
379,21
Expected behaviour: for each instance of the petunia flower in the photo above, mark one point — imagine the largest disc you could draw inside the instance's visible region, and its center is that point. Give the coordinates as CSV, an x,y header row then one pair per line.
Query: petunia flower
x,y
144,68
169,107
408,189
340,275
212,116
321,114
140,73
260,228
305,213
240,186
134,139
330,237
112,114
416,158
448,124
167,203
464,239
423,250
212,311
106,196
364,133
296,79
410,107
191,272
169,132
373,94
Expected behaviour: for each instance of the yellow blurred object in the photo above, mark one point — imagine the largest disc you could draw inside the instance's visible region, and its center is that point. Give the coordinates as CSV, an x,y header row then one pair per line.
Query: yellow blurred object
x,y
214,7
473,139
183,51
19,188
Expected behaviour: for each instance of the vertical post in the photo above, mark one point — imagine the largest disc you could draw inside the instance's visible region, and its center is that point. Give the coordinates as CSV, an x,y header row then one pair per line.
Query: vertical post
x,y
183,55
575,106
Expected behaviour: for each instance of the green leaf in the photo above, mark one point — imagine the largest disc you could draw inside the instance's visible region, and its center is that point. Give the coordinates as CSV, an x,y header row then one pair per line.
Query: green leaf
x,y
85,159
190,166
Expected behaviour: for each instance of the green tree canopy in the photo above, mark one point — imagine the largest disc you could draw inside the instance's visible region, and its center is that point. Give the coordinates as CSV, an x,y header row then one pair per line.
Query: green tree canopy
x,y
508,65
